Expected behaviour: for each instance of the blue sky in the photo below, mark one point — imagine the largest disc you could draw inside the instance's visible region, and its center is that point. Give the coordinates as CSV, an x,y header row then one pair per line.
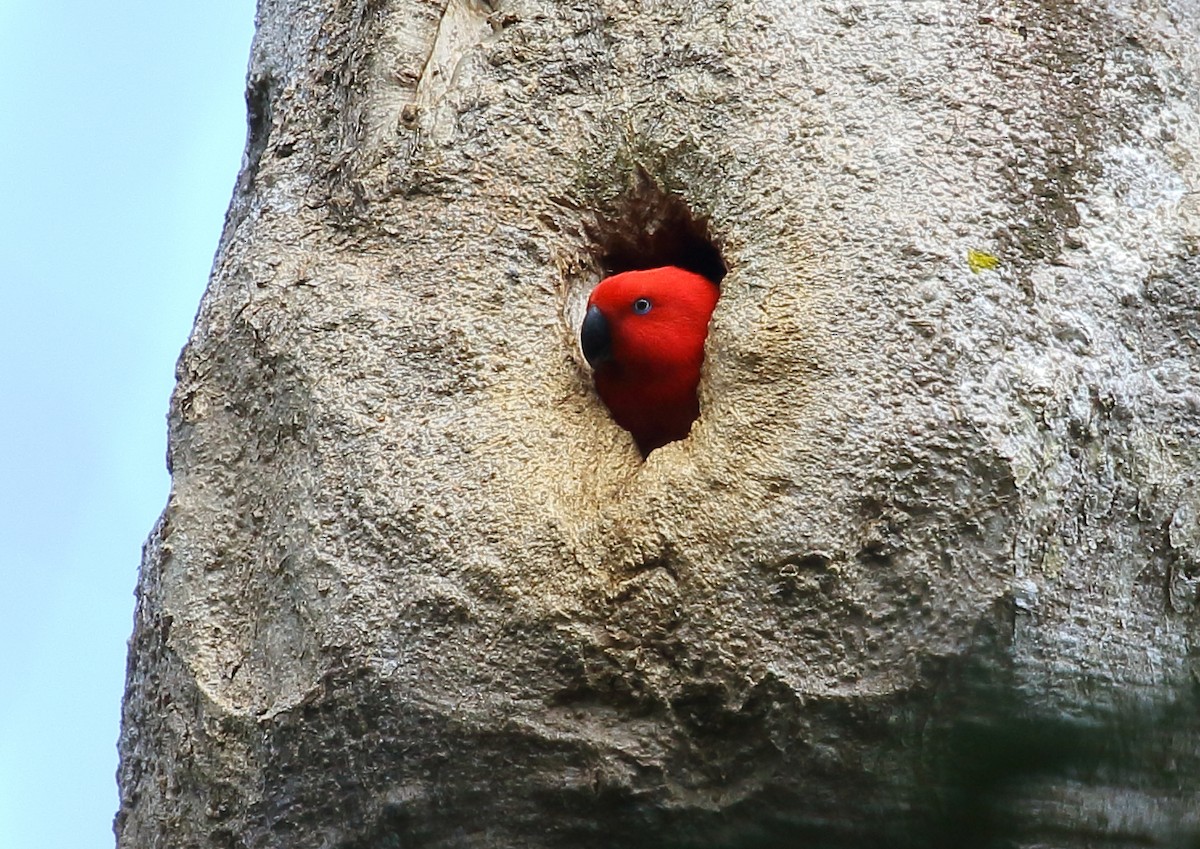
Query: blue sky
x,y
122,124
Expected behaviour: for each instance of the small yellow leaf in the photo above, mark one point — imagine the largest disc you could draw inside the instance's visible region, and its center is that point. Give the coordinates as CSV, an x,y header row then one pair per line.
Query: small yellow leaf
x,y
981,260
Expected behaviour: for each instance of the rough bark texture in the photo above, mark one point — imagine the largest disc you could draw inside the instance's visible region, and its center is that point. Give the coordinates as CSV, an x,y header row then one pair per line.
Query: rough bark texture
x,y
414,588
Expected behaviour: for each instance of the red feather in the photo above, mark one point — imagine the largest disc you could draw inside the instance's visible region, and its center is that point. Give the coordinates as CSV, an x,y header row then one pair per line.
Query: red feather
x,y
656,321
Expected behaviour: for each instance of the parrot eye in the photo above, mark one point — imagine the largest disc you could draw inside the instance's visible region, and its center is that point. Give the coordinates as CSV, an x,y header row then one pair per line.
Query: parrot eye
x,y
641,306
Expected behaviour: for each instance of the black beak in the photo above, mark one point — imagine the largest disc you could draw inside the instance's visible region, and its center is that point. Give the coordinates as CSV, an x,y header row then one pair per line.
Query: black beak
x,y
595,337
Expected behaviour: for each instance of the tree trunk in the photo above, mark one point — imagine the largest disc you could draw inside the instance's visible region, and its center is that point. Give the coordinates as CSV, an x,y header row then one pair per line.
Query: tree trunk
x,y
924,573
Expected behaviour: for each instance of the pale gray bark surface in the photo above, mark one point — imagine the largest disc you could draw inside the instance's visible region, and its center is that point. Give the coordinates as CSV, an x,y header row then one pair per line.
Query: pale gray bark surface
x,y
414,588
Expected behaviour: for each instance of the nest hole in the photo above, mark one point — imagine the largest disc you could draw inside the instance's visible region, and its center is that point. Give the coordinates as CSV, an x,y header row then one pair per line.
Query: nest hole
x,y
646,227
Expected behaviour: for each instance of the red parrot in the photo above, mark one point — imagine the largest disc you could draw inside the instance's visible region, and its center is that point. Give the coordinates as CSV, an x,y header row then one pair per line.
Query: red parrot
x,y
644,338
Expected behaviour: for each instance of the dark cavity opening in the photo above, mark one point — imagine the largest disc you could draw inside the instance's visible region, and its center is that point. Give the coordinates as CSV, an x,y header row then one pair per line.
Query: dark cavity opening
x,y
651,228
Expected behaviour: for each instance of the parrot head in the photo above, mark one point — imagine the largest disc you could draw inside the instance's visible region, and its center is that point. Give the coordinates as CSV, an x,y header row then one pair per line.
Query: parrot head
x,y
643,336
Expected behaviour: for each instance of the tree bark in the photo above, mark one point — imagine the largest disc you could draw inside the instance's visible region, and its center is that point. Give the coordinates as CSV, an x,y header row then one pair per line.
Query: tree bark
x,y
926,568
